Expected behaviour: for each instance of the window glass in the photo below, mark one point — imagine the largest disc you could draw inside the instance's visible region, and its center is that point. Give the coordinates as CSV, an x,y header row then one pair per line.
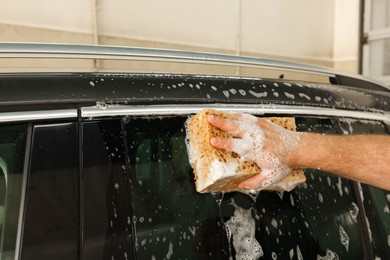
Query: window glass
x,y
171,220
316,220
51,216
12,153
376,201
107,216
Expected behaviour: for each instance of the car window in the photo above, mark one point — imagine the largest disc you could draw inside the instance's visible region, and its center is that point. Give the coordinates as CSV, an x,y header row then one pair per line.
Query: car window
x,y
316,220
12,153
171,220
51,227
376,201
106,207
137,179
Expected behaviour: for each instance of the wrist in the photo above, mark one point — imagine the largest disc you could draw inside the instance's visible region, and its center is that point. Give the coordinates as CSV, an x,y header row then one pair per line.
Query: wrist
x,y
307,152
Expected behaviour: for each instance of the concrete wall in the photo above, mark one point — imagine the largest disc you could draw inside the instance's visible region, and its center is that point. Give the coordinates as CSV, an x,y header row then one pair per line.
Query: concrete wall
x,y
317,32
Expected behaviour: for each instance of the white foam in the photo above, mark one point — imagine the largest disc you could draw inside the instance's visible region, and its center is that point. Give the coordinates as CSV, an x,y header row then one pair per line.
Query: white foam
x,y
330,255
354,211
233,91
289,95
250,147
287,186
299,254
292,200
220,170
193,154
242,227
320,198
258,94
251,143
303,95
339,186
274,223
291,253
242,92
170,251
344,238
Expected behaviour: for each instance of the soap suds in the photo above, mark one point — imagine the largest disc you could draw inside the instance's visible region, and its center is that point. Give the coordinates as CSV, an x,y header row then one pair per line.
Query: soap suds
x,y
330,255
241,226
219,170
258,94
250,147
344,239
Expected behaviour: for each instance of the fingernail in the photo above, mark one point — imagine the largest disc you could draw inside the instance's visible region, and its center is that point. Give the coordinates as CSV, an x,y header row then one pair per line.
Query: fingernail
x,y
214,141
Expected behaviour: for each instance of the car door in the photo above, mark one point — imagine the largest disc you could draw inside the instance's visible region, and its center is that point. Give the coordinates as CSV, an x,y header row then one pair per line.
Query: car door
x,y
122,187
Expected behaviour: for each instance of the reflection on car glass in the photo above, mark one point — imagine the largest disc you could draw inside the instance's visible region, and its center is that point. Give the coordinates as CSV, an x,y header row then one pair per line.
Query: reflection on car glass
x,y
12,152
376,201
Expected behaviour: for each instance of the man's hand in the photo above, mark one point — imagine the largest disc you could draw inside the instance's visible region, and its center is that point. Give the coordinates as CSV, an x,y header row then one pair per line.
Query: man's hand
x,y
363,158
254,139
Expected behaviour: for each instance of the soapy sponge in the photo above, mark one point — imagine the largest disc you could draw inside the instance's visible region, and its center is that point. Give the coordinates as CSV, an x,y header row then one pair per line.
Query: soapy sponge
x,y
216,170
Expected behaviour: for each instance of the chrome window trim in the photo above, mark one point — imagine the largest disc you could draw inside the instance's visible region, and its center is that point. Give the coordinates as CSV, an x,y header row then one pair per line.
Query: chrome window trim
x,y
6,117
74,51
162,110
19,236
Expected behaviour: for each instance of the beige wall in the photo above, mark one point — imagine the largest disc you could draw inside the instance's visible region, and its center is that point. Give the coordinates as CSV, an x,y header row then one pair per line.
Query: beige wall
x,y
317,32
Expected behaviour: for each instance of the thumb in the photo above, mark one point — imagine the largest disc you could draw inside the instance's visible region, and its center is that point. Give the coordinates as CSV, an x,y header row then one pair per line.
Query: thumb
x,y
253,183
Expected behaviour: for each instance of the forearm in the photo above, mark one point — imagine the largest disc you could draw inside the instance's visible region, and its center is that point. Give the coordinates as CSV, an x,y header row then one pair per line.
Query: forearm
x,y
364,158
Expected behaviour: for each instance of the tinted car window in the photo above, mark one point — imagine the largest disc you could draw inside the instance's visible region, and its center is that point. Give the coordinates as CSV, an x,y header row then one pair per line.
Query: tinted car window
x,y
51,215
138,201
316,220
376,201
12,153
171,220
106,207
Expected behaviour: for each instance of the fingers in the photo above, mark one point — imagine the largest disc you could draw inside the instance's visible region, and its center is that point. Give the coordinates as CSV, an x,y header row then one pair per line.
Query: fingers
x,y
258,140
265,124
224,124
222,143
253,183
231,145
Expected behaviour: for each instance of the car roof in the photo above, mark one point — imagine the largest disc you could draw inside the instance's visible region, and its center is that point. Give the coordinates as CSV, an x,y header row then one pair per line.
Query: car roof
x,y
83,89
43,90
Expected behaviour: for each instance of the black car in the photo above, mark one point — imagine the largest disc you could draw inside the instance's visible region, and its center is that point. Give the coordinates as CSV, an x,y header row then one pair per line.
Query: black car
x,y
94,164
